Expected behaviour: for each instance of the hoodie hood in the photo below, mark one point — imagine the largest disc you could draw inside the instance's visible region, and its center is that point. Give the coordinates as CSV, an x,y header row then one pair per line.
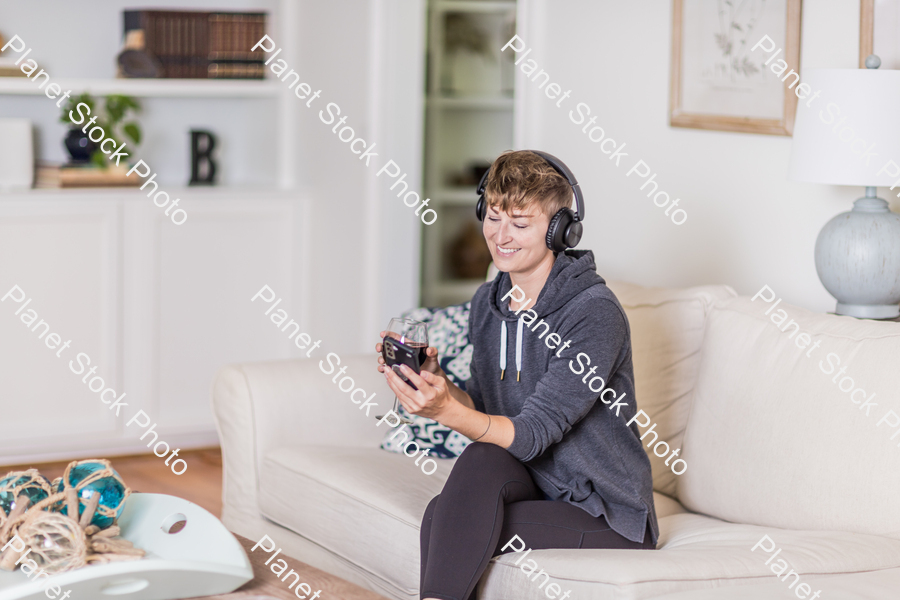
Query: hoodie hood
x,y
573,272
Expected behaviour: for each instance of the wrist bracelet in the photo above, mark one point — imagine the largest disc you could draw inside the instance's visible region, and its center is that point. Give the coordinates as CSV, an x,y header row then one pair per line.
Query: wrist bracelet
x,y
485,431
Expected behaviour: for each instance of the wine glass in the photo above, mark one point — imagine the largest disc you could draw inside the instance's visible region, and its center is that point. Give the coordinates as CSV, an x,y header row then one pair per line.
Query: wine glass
x,y
414,334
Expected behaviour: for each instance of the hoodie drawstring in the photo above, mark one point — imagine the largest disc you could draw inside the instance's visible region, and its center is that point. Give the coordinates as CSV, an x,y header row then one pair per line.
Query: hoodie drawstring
x,y
503,336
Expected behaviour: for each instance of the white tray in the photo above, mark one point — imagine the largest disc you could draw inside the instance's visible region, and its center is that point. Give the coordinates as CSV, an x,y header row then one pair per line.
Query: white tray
x,y
202,559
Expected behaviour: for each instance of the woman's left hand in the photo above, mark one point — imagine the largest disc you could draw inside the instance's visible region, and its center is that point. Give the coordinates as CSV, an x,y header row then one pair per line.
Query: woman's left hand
x,y
430,400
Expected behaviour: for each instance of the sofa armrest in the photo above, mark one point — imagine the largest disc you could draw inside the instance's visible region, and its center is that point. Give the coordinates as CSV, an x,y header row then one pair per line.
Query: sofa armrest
x,y
261,406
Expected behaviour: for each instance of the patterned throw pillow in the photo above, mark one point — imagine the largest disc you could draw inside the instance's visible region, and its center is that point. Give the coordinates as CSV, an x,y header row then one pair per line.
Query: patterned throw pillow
x,y
448,331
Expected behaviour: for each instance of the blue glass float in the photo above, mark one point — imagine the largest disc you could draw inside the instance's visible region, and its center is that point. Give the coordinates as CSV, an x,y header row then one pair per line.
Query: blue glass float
x,y
32,484
110,488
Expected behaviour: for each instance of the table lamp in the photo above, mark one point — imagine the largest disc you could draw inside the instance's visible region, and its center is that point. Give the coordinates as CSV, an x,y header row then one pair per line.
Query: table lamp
x,y
847,136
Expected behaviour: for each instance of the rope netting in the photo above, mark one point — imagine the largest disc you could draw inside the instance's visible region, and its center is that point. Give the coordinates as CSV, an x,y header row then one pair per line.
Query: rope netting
x,y
56,541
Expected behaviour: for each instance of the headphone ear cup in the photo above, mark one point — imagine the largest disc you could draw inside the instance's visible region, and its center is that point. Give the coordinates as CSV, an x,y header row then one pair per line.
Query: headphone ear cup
x,y
480,208
558,229
564,231
573,233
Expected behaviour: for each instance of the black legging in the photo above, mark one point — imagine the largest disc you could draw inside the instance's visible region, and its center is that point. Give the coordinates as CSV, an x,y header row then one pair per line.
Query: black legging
x,y
488,498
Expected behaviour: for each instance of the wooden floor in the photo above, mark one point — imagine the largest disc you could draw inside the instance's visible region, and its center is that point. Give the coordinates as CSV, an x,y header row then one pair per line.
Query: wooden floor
x,y
201,483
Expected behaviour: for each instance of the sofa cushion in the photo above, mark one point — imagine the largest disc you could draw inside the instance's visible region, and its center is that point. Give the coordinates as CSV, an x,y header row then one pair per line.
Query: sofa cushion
x,y
695,553
666,333
853,586
773,440
363,504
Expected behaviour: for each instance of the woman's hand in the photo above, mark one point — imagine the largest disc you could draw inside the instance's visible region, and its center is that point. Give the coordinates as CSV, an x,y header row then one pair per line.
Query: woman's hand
x,y
433,400
430,400
431,363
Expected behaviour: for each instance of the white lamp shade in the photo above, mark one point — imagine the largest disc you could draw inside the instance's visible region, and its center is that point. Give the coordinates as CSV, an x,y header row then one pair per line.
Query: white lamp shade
x,y
828,150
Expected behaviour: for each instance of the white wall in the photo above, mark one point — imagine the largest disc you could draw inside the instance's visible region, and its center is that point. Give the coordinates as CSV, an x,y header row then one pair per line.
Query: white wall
x,y
398,76
368,58
747,225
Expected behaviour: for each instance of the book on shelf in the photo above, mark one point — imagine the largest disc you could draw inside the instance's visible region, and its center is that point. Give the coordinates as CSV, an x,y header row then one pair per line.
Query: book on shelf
x,y
202,44
8,68
49,175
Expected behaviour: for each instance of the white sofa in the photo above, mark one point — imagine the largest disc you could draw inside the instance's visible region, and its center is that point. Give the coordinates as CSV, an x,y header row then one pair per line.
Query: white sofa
x,y
773,446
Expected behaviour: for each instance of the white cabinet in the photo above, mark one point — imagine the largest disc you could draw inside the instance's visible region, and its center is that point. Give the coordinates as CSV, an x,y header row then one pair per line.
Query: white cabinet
x,y
157,307
65,257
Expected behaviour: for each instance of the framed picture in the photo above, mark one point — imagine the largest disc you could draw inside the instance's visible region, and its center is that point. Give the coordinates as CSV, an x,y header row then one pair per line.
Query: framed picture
x,y
718,81
879,25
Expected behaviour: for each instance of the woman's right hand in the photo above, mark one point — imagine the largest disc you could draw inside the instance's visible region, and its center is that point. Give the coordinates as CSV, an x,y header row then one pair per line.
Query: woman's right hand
x,y
431,363
381,365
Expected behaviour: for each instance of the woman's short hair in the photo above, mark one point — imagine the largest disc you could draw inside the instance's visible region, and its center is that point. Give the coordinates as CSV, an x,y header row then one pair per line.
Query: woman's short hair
x,y
520,178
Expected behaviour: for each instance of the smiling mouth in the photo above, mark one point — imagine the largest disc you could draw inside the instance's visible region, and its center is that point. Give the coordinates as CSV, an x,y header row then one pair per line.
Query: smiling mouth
x,y
507,252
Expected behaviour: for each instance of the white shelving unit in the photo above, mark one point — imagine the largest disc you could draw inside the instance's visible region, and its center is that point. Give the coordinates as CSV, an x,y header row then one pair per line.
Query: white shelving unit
x,y
256,152
468,120
148,88
158,307
272,92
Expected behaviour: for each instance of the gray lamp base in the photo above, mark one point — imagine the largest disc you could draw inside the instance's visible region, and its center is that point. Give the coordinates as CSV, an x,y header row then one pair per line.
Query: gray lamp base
x,y
858,259
868,311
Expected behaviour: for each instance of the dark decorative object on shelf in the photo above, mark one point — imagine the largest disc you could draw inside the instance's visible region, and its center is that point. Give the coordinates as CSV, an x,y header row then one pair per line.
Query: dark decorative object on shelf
x,y
470,175
478,169
134,60
469,256
116,108
79,146
137,63
203,167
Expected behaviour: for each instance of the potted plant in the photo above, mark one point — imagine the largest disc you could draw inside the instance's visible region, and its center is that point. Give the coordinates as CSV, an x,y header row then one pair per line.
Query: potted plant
x,y
117,108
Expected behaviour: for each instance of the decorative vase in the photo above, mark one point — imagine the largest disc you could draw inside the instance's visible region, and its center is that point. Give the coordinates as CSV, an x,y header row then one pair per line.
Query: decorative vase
x,y
79,146
858,260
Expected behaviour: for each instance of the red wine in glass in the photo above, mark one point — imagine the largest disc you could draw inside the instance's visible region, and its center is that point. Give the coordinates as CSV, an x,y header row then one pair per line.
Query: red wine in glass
x,y
423,356
412,334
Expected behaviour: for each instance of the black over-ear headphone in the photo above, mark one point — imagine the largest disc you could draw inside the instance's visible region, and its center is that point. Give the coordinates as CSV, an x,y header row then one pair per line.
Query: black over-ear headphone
x,y
565,227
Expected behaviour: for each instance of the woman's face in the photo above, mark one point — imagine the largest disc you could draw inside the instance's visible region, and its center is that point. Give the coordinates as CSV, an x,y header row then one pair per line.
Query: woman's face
x,y
517,240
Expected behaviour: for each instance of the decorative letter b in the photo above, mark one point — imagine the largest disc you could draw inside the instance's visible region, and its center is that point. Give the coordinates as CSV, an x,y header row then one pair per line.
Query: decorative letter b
x,y
203,168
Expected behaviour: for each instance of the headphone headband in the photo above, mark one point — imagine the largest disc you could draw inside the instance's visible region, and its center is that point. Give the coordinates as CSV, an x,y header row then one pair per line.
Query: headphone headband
x,y
561,168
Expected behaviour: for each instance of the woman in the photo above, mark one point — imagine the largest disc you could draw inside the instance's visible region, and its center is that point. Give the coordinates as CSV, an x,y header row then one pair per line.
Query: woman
x,y
551,464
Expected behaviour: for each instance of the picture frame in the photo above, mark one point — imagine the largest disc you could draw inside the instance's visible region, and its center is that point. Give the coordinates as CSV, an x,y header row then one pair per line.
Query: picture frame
x,y
879,36
717,82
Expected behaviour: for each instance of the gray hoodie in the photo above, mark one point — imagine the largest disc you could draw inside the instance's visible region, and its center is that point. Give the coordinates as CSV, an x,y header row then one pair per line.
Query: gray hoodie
x,y
577,449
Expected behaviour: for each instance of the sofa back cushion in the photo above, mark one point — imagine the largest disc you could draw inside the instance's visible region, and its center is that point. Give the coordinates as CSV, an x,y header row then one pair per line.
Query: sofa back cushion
x,y
666,333
782,436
